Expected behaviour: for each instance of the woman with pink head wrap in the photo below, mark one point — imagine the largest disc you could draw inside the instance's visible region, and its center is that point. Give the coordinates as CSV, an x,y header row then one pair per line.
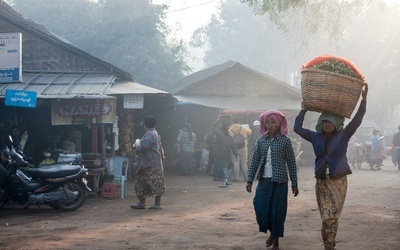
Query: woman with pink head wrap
x,y
278,117
273,158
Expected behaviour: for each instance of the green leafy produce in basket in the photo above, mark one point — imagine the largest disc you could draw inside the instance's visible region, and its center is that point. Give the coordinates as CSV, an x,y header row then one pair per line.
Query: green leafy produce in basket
x,y
336,64
337,67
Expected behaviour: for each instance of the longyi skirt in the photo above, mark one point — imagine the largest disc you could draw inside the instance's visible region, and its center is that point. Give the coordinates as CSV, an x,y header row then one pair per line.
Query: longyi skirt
x,y
149,182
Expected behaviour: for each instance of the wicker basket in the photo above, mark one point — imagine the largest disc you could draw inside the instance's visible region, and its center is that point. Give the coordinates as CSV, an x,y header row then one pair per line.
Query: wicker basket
x,y
328,91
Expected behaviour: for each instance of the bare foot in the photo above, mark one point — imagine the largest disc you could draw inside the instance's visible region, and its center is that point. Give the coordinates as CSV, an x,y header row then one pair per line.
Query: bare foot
x,y
269,242
275,244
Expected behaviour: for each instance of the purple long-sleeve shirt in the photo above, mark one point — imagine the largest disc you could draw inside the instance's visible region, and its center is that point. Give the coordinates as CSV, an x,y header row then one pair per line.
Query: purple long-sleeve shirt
x,y
337,146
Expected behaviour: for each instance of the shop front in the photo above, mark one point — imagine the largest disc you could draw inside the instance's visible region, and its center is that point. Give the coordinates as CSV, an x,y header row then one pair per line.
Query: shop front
x,y
74,97
78,129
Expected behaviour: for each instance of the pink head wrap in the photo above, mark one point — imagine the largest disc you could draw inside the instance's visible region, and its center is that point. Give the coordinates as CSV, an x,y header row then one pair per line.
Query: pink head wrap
x,y
278,117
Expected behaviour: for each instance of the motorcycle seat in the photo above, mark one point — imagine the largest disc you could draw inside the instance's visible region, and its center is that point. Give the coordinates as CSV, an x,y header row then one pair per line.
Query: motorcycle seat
x,y
54,171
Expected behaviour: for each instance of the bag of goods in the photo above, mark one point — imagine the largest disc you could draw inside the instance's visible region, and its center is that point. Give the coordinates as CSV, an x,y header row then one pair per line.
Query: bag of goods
x,y
331,83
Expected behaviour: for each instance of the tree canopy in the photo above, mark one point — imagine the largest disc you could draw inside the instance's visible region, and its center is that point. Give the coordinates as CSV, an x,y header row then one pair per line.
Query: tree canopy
x,y
310,17
286,34
273,37
237,34
131,35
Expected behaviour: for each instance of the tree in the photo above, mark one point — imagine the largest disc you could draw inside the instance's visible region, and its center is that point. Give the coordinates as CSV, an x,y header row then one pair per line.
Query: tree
x,y
374,38
368,38
74,20
310,17
129,34
235,33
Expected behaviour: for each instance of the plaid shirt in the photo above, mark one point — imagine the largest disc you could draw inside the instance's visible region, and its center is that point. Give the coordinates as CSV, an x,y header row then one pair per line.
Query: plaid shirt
x,y
282,157
150,151
186,144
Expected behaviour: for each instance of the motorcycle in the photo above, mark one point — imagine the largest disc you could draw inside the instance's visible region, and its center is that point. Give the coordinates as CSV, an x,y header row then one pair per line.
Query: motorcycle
x,y
60,186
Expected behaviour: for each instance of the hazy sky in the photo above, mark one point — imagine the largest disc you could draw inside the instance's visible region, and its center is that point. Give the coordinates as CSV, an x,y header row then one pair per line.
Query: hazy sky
x,y
185,16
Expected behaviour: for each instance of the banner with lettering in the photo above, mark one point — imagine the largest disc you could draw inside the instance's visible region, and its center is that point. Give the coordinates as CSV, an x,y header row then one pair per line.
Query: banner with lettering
x,y
10,57
82,111
20,98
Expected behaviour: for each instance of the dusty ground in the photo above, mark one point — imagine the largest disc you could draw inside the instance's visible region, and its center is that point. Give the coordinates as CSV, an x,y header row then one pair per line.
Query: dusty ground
x,y
197,214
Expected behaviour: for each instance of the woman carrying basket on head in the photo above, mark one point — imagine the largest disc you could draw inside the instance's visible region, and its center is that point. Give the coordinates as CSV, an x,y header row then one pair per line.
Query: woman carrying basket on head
x,y
331,168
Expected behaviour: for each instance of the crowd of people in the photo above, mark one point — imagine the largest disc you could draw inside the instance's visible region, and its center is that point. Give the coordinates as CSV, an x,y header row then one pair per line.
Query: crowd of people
x,y
272,162
232,152
374,150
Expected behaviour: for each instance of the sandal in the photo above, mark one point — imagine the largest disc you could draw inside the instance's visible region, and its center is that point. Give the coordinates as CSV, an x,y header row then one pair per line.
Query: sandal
x,y
155,207
137,206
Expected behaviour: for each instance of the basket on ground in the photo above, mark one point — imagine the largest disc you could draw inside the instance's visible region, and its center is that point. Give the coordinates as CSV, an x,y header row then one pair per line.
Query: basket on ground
x,y
328,91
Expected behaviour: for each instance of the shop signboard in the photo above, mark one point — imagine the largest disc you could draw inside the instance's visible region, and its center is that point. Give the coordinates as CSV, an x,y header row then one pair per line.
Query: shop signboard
x,y
20,98
10,57
82,111
133,101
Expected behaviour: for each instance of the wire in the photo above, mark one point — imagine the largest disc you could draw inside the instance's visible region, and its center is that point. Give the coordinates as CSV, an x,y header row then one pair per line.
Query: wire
x,y
192,6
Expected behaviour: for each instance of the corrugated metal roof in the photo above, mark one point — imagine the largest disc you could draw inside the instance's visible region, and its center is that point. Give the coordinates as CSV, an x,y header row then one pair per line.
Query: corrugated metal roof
x,y
72,85
126,87
62,85
207,76
201,75
242,103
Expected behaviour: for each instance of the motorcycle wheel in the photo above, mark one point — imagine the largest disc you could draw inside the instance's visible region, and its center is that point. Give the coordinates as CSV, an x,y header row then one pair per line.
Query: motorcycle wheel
x,y
3,197
53,205
70,206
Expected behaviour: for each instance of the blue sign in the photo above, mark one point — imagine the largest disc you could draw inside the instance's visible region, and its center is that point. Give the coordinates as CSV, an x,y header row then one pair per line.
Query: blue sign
x,y
20,98
10,75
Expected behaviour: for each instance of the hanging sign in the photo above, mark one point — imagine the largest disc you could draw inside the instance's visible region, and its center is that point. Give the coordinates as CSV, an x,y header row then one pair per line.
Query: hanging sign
x,y
82,111
10,57
20,98
133,101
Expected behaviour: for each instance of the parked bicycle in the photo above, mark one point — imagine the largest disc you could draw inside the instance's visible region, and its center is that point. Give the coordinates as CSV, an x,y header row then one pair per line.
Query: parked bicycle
x,y
357,155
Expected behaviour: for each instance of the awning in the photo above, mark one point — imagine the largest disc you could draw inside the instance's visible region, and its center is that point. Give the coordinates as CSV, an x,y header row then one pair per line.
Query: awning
x,y
54,85
62,85
126,87
243,103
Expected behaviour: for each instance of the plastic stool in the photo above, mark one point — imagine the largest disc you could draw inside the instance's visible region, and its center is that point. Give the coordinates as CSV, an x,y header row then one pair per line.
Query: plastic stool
x,y
109,190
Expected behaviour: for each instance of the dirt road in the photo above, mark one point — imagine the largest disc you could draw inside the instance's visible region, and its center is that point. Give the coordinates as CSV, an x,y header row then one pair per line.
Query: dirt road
x,y
197,214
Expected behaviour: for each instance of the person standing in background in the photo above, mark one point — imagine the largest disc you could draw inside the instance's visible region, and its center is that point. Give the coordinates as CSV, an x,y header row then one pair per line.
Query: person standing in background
x,y
253,138
377,154
210,139
396,143
187,142
240,166
15,136
224,148
18,141
150,170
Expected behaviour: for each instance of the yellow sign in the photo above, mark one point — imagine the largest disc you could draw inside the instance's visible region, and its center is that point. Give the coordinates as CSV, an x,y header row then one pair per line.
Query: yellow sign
x,y
82,111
